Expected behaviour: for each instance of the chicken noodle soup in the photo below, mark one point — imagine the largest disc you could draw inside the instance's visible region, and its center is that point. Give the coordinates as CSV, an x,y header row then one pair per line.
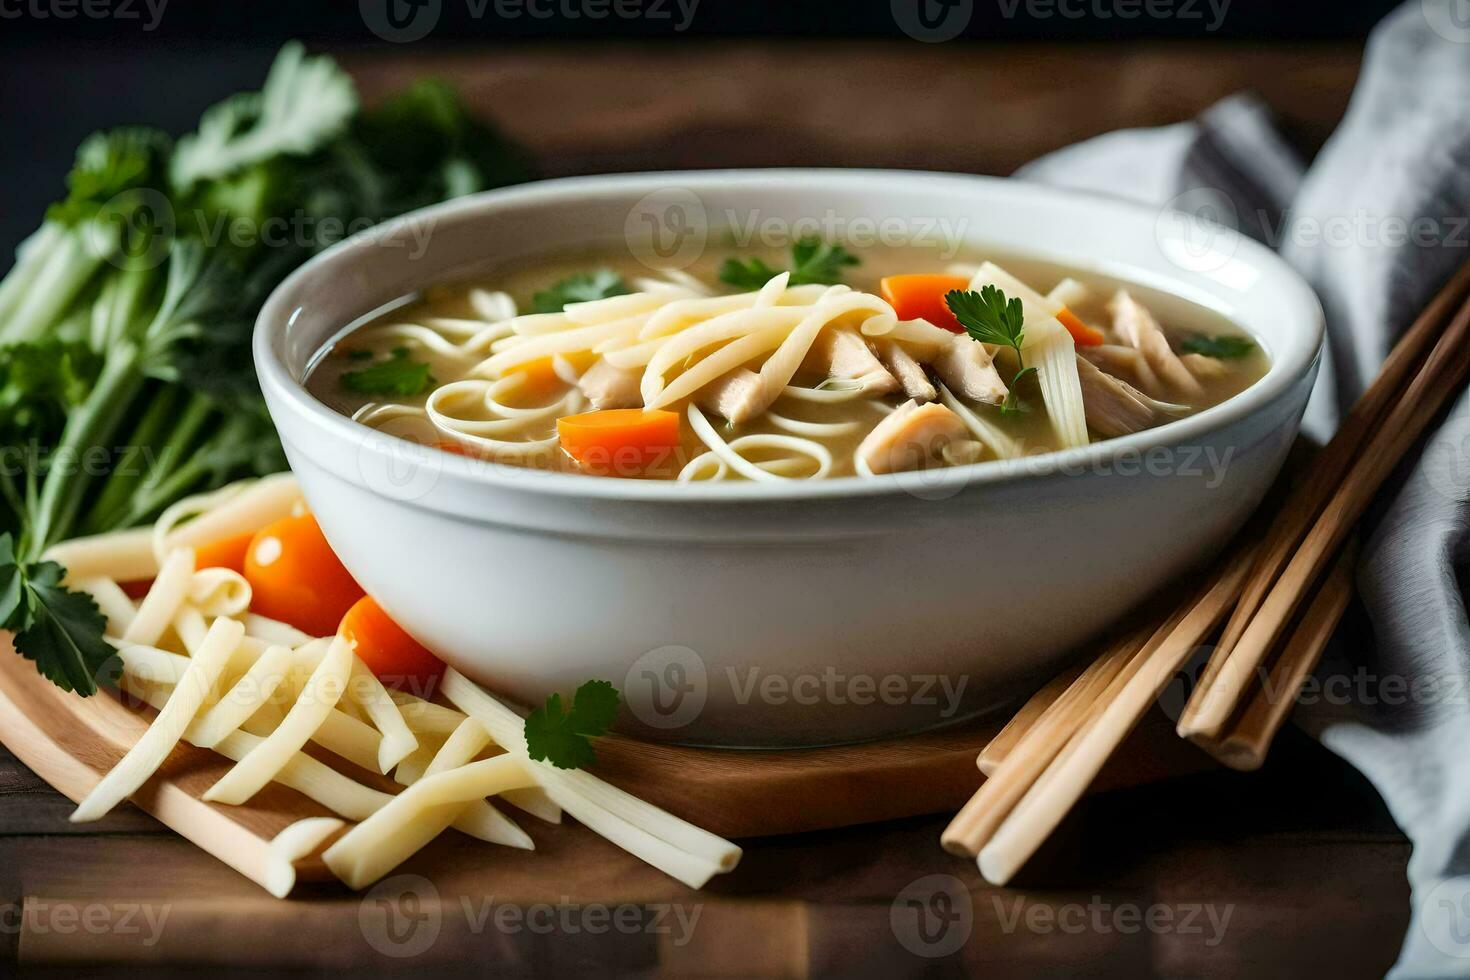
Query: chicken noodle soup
x,y
811,364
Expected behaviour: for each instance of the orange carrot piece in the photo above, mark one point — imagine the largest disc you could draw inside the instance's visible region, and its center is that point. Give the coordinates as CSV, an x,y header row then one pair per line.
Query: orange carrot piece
x,y
1082,334
541,382
225,553
920,296
396,658
619,441
296,577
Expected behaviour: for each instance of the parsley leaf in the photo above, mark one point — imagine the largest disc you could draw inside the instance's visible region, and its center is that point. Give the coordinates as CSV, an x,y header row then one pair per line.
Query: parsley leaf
x,y
1226,347
814,262
563,737
581,288
60,630
990,318
749,275
398,376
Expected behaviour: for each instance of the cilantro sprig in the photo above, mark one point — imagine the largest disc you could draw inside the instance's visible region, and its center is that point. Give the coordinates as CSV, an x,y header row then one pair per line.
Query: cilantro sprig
x,y
399,376
813,262
1223,346
60,630
581,288
989,317
564,738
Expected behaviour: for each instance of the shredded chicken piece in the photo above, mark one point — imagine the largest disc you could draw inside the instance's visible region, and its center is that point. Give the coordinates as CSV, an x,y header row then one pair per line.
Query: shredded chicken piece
x,y
1126,363
844,354
909,372
1205,366
738,396
607,386
1140,330
967,369
910,436
1116,408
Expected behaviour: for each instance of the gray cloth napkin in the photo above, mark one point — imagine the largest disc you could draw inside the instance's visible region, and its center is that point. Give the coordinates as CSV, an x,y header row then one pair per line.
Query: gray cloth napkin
x,y
1376,224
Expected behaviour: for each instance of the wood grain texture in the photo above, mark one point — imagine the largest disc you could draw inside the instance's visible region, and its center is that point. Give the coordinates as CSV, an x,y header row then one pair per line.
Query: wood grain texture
x,y
977,108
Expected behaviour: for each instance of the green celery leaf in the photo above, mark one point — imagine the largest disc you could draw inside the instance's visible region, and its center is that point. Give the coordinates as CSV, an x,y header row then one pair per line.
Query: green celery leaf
x,y
816,262
988,316
750,274
581,288
564,737
64,635
305,103
1225,347
399,376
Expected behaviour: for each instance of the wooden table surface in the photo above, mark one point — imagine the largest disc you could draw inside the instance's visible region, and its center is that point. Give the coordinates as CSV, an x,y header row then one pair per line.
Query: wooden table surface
x,y
1292,869
1276,873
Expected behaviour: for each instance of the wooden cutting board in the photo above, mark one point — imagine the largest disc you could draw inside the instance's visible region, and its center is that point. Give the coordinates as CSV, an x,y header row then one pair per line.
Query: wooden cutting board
x,y
71,742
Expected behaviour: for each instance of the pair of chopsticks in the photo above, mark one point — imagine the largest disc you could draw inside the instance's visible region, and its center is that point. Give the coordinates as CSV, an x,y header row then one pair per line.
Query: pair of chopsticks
x,y
1280,591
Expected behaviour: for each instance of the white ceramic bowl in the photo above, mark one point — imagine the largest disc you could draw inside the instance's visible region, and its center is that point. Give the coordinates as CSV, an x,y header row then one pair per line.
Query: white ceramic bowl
x,y
807,613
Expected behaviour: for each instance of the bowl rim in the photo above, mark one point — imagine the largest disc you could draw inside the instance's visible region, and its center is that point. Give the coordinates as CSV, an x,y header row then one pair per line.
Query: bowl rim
x,y
1288,365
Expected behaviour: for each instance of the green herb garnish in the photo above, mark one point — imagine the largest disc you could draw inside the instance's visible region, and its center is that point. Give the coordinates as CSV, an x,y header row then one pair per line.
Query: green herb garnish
x,y
1225,347
399,376
813,262
563,738
990,318
125,321
59,629
581,288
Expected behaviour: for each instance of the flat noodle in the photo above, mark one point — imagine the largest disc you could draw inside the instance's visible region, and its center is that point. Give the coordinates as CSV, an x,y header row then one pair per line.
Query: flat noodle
x,y
323,690
247,508
254,688
219,592
506,728
369,693
123,556
150,751
401,828
169,591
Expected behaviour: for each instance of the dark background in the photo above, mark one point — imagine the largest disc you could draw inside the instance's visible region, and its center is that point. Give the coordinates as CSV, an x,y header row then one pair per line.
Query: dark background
x,y
62,77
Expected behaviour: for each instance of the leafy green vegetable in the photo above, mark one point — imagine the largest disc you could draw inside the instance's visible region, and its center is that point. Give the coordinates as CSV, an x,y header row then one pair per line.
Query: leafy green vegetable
x,y
1226,347
564,737
813,262
60,630
581,288
398,376
125,322
989,317
305,102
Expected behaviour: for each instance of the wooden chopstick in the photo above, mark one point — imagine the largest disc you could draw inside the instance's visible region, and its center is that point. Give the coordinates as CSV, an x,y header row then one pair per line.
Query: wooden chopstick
x,y
1245,747
1112,717
1005,740
1307,500
1037,746
1443,371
